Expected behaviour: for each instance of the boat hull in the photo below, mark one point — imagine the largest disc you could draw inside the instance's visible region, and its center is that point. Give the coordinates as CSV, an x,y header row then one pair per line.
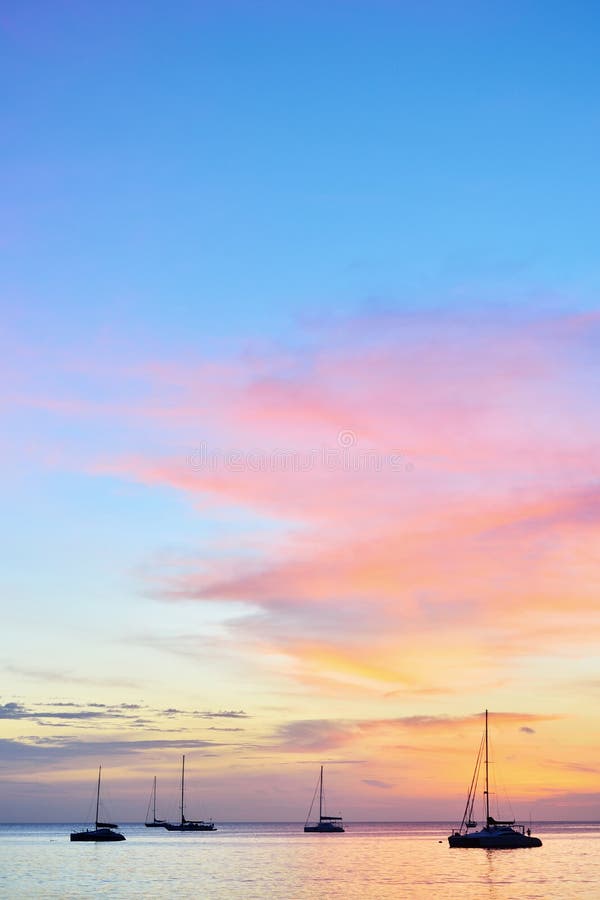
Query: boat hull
x,y
97,835
324,829
190,826
494,839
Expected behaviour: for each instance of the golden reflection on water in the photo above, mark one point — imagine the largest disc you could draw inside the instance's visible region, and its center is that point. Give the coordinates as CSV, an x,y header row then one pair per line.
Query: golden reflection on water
x,y
280,862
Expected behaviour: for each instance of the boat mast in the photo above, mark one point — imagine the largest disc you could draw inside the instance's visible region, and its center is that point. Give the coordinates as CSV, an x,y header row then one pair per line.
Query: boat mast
x,y
98,795
321,797
487,791
154,802
182,777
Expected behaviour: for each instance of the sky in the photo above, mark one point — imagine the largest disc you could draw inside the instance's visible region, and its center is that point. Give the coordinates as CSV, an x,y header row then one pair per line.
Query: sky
x,y
300,438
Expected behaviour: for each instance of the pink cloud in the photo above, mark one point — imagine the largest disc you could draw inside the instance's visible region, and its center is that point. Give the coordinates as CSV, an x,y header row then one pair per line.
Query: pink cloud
x,y
433,480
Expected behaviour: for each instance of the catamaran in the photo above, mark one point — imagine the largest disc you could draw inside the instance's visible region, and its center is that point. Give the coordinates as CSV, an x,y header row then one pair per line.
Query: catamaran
x,y
495,834
103,831
188,824
326,824
154,823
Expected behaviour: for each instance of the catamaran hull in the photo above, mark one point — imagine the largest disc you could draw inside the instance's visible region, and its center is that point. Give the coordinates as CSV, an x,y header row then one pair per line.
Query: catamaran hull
x,y
98,834
495,834
324,824
502,840
190,826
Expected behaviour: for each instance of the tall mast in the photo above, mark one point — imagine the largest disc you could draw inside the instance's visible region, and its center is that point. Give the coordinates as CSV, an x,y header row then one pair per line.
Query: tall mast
x,y
154,802
182,777
321,796
487,790
98,795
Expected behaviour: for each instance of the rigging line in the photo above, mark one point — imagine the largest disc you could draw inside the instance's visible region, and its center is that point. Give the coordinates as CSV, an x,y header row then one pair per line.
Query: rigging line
x,y
468,813
506,797
107,803
312,803
148,809
501,791
498,814
476,778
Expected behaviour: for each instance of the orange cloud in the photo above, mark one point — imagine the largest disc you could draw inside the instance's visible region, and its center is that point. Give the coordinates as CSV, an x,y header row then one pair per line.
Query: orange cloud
x,y
429,486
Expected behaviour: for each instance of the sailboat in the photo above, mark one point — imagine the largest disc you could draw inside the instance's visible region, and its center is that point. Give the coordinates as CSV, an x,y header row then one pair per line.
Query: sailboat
x,y
155,823
495,834
103,831
326,824
188,824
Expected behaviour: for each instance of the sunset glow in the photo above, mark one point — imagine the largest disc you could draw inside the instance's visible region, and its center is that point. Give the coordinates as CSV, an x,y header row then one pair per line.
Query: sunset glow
x,y
300,466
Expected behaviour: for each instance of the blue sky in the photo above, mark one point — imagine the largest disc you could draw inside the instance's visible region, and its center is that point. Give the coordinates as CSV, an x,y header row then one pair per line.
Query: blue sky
x,y
238,163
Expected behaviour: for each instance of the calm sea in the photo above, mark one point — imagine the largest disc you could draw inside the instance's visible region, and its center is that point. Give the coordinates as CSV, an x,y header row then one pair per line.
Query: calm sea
x,y
254,862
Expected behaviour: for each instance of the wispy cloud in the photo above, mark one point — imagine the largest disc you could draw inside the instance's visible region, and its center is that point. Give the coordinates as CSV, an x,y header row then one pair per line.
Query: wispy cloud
x,y
573,766
428,584
14,710
312,735
207,714
66,677
60,714
372,782
60,752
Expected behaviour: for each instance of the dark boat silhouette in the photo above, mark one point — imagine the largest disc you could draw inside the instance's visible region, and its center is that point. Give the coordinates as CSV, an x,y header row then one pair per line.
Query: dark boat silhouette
x,y
154,822
186,825
103,831
325,824
495,834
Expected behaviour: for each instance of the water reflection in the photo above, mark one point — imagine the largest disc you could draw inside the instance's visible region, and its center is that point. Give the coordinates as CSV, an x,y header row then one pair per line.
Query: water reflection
x,y
252,862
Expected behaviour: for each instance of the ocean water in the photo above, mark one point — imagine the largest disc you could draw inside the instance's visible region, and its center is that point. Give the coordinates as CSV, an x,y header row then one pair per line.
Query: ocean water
x,y
259,862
